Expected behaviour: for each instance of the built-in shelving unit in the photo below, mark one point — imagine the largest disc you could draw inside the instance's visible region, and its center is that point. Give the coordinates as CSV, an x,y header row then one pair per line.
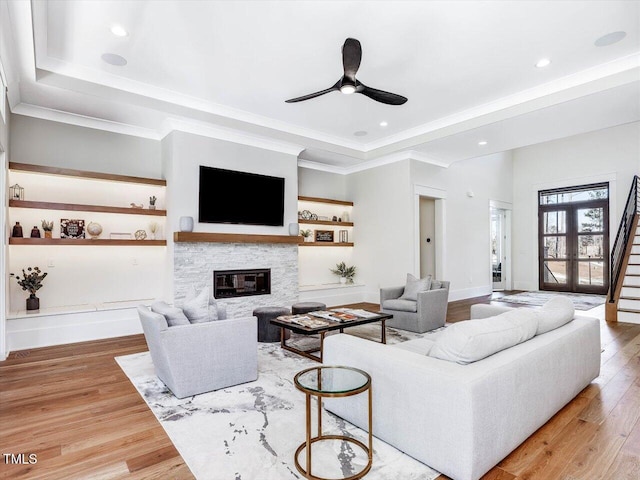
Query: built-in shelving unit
x,y
326,244
233,238
325,200
329,202
85,208
67,172
81,207
86,242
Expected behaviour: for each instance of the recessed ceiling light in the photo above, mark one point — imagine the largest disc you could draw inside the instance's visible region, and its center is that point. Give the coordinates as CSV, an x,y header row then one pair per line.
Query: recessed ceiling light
x,y
383,124
610,39
113,59
360,133
543,62
482,143
119,31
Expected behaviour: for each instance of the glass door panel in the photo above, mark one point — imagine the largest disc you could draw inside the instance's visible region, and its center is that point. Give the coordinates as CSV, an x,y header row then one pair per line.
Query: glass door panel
x,y
574,244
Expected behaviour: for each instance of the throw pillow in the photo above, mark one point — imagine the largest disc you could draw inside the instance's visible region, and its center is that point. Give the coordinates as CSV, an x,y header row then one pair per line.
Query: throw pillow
x,y
174,315
415,285
555,313
472,340
435,285
214,308
196,307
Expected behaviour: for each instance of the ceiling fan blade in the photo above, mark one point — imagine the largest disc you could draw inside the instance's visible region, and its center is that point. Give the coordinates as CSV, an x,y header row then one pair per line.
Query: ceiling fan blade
x,y
351,56
314,95
381,96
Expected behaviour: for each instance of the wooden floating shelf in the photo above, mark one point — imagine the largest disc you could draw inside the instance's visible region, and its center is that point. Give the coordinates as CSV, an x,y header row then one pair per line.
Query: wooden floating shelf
x,y
325,222
233,238
67,172
327,244
86,242
325,200
85,208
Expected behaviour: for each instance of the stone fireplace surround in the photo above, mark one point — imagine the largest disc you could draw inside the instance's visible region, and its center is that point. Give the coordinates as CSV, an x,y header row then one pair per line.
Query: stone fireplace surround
x,y
195,262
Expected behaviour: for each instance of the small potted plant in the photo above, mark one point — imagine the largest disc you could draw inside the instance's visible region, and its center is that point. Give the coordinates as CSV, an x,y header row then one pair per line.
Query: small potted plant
x,y
152,203
306,234
31,281
345,273
48,228
153,228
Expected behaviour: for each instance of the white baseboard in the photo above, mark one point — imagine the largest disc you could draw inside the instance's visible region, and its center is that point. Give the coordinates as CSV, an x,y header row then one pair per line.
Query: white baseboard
x,y
340,295
470,292
47,330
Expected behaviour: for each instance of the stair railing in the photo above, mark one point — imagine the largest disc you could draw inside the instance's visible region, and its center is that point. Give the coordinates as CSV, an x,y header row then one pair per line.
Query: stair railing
x,y
622,238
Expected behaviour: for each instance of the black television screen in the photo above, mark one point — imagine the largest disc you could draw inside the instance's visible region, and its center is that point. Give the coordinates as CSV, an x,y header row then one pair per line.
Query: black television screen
x,y
227,196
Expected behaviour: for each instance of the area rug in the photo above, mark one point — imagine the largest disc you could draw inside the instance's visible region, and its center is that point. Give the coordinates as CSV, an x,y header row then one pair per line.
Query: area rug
x,y
580,301
251,431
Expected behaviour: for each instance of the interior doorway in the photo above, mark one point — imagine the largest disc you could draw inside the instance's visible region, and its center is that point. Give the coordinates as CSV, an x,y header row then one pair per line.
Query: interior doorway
x,y
427,237
500,245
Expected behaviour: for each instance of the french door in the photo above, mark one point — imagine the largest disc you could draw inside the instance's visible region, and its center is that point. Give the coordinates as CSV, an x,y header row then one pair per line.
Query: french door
x,y
574,239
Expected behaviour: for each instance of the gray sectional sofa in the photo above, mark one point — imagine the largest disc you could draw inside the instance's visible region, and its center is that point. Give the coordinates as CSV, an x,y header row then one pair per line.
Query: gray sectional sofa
x,y
462,419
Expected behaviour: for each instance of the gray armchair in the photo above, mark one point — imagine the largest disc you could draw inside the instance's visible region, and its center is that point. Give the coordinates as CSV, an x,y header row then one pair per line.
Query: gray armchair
x,y
198,358
428,313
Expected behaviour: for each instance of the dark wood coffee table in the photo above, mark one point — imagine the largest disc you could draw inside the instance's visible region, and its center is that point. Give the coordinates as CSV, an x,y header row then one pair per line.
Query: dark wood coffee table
x,y
322,330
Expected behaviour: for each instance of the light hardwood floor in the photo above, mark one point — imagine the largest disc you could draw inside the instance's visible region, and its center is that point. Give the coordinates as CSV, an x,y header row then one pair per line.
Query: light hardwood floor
x,y
73,407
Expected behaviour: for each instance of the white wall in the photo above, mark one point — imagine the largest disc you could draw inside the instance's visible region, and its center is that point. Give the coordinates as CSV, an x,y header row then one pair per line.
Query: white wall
x,y
611,155
316,183
467,219
189,151
4,286
43,142
383,226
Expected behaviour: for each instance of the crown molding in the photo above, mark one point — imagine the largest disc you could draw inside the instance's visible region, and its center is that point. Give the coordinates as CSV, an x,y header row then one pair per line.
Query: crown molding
x,y
377,162
60,116
229,135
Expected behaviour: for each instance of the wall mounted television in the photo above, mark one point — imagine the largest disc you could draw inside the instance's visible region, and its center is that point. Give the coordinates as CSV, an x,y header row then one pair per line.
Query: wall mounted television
x,y
228,196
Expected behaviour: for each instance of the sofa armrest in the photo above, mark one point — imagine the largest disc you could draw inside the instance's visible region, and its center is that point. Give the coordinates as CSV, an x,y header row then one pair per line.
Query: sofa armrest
x,y
480,310
390,293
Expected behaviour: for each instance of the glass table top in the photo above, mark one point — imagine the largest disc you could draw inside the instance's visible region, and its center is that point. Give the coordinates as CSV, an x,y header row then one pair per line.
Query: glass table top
x,y
332,380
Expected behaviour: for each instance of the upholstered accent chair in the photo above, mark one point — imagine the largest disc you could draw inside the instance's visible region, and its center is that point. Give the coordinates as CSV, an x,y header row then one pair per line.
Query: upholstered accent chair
x,y
427,313
201,357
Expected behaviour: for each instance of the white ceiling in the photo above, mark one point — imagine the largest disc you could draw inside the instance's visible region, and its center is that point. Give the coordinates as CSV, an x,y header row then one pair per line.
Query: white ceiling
x,y
226,67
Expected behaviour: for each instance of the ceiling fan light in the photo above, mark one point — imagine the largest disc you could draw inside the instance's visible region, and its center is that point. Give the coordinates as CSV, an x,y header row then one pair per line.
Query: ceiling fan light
x,y
348,89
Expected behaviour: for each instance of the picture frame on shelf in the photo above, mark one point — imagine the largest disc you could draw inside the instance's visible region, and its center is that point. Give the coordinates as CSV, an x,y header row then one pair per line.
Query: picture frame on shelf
x,y
323,236
72,228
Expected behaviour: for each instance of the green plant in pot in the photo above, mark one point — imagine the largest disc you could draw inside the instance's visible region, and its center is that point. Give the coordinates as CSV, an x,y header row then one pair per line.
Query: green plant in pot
x,y
345,273
31,280
306,234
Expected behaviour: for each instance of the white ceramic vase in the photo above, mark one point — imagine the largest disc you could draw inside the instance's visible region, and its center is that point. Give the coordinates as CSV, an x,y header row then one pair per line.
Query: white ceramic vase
x,y
186,224
294,229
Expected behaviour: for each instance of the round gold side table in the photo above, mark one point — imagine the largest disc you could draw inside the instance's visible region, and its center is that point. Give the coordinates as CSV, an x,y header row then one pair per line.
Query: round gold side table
x,y
331,381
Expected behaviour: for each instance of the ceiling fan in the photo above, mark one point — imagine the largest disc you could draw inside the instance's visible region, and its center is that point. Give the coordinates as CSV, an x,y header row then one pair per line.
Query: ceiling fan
x,y
351,56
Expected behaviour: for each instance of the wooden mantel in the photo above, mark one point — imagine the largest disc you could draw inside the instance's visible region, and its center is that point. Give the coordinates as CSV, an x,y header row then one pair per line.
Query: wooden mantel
x,y
234,238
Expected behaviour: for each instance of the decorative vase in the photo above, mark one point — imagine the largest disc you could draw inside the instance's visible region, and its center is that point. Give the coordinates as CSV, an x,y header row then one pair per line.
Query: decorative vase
x,y
17,230
33,302
48,234
294,229
94,229
308,239
152,207
186,224
343,280
35,232
152,236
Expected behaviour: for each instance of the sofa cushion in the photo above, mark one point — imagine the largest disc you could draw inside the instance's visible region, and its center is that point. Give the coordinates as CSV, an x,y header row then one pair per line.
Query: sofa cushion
x,y
415,285
400,304
472,340
555,313
420,346
174,315
196,306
